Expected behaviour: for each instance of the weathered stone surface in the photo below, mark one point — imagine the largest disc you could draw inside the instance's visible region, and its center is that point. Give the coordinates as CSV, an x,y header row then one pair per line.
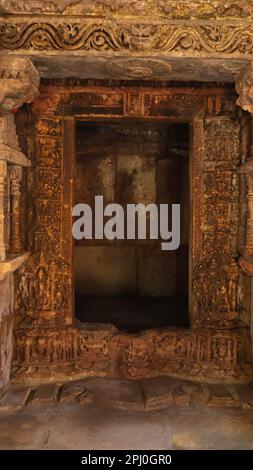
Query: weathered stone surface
x,y
122,394
149,394
163,392
6,331
75,391
72,426
244,88
243,394
157,393
87,416
45,394
15,398
220,396
19,81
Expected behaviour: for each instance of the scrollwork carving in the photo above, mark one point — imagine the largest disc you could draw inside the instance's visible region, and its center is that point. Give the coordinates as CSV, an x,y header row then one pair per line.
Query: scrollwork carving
x,y
219,39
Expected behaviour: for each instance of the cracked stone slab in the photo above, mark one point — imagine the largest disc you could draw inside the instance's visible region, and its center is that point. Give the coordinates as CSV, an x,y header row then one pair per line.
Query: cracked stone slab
x,y
122,394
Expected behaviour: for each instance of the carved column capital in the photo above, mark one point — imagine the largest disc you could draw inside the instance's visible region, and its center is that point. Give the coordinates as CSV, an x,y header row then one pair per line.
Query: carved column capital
x,y
19,82
244,88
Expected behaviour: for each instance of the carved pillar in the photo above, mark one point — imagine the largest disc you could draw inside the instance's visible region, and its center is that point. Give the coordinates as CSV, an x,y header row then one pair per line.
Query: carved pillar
x,y
18,84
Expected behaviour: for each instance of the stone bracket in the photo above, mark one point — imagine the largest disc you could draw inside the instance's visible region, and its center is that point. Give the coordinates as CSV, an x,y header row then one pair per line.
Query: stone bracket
x,y
244,88
19,82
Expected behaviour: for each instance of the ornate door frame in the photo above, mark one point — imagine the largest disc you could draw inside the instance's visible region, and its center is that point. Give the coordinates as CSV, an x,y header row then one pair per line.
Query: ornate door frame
x,y
217,346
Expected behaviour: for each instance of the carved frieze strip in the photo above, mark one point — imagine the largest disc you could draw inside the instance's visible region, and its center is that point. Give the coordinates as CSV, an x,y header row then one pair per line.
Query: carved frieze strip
x,y
168,103
197,354
215,9
180,38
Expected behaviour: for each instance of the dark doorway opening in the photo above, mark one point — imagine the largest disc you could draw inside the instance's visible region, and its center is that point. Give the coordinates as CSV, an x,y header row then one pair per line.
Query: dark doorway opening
x,y
133,284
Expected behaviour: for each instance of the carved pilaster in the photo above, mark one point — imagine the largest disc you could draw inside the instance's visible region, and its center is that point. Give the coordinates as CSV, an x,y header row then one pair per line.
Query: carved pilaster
x,y
11,160
3,175
246,261
15,175
244,87
19,82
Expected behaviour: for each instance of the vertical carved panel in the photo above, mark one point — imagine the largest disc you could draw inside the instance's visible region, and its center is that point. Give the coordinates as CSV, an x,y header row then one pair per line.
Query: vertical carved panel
x,y
44,284
197,204
218,284
15,175
3,181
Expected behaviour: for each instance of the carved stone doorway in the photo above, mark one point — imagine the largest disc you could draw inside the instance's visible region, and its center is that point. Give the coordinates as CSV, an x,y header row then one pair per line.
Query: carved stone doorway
x,y
125,40
49,341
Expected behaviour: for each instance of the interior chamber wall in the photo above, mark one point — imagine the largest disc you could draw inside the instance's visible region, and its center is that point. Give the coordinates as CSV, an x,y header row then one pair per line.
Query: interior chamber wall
x,y
133,284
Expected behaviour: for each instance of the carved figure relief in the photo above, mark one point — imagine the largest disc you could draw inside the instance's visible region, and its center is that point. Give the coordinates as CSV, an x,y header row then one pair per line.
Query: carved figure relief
x,y
43,289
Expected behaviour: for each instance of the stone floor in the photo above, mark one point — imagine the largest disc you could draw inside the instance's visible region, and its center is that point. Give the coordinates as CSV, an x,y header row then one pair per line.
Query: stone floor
x,y
119,414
